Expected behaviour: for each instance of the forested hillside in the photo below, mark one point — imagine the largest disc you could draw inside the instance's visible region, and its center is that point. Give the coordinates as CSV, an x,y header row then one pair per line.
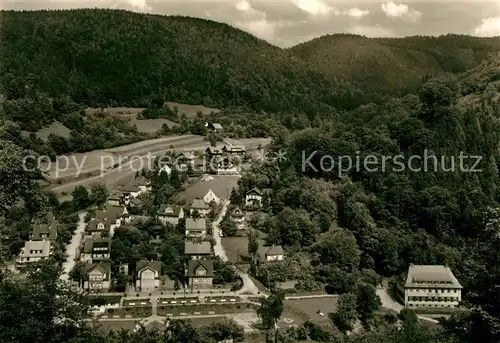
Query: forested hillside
x,y
394,65
106,58
117,58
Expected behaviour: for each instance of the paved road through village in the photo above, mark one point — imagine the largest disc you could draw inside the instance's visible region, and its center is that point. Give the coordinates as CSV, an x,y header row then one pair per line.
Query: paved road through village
x,y
72,247
249,286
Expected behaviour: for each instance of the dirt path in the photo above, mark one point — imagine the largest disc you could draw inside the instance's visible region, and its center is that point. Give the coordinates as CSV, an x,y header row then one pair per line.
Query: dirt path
x,y
249,286
218,248
389,303
72,246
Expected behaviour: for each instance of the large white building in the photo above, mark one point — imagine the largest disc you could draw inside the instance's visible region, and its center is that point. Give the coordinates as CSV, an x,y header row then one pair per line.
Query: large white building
x,y
431,287
34,251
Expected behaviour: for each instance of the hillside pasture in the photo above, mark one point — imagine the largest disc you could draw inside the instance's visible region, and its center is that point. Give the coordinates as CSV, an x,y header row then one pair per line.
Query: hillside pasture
x,y
191,111
55,128
148,126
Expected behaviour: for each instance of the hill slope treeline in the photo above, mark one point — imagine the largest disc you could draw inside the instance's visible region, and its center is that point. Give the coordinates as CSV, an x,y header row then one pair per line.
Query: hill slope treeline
x,y
394,65
108,58
105,57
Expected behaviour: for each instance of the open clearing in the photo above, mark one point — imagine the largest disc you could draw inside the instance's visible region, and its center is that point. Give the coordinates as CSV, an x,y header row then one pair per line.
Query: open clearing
x,y
55,128
235,248
191,111
309,308
153,125
143,125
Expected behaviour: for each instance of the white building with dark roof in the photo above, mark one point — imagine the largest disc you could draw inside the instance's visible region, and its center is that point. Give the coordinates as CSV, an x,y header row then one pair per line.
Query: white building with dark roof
x,y
170,214
34,251
431,286
197,250
196,228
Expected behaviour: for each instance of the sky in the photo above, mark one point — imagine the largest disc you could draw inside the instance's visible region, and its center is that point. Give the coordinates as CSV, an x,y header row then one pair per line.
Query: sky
x,y
288,22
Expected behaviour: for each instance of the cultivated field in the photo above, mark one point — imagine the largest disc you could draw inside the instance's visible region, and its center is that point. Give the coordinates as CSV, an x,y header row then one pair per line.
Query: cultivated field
x,y
125,171
99,160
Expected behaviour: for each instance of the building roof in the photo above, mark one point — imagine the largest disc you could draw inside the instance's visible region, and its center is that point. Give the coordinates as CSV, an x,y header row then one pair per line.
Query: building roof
x,y
169,210
44,246
254,190
140,181
193,266
202,248
135,219
235,148
141,265
237,213
48,228
90,243
166,169
275,250
103,267
136,202
199,204
431,276
221,185
116,195
128,188
217,126
213,151
199,224
186,155
94,222
112,213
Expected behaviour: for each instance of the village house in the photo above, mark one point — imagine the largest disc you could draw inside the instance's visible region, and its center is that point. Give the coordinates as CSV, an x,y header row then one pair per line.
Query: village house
x,y
96,277
210,197
431,286
115,199
211,152
170,214
135,205
105,221
224,166
184,160
216,127
201,206
165,169
238,218
196,228
253,198
274,253
234,149
197,250
200,274
142,183
95,250
45,230
129,191
210,188
34,251
147,276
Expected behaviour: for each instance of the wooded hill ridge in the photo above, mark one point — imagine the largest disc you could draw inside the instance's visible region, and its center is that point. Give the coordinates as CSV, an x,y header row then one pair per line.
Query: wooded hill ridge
x,y
117,58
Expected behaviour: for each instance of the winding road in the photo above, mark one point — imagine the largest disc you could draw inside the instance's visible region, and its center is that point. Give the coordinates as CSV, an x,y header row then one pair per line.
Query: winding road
x,y
73,246
249,286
